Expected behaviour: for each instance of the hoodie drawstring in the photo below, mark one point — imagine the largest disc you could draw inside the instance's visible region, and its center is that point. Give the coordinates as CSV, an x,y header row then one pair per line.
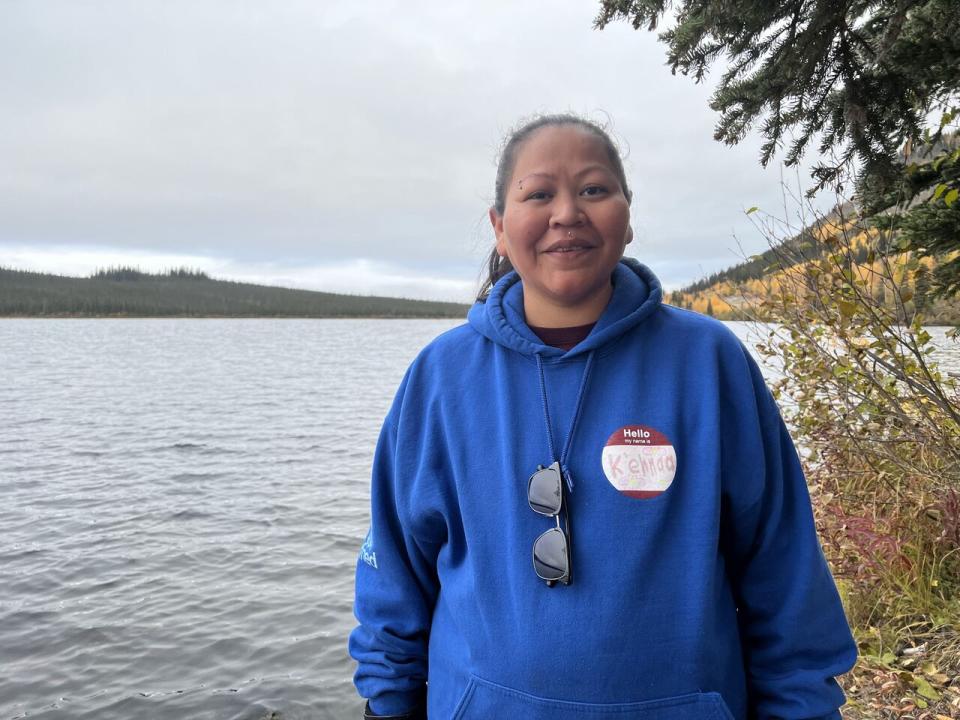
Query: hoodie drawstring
x,y
576,416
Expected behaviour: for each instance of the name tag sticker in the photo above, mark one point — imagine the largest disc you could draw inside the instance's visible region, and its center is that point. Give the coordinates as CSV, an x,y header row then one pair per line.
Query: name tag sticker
x,y
639,461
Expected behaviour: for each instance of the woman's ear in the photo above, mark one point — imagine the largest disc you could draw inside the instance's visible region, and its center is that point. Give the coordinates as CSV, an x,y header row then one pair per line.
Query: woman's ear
x,y
629,235
496,220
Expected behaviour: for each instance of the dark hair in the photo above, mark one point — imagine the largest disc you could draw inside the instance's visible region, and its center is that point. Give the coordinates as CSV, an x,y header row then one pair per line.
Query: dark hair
x,y
498,266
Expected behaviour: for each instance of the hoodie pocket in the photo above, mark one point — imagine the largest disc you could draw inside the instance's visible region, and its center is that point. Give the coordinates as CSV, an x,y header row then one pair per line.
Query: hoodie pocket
x,y
484,700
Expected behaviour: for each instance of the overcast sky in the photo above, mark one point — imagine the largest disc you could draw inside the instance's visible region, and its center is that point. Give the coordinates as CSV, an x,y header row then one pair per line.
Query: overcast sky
x,y
343,146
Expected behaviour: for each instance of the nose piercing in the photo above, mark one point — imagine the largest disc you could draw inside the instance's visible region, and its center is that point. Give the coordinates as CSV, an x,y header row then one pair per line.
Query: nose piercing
x,y
569,233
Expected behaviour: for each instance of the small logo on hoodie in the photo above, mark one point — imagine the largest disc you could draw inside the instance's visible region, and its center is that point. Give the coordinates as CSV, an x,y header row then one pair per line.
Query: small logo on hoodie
x,y
639,461
367,553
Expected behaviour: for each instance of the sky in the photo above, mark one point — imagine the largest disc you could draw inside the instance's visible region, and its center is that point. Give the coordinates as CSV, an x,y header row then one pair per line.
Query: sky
x,y
339,146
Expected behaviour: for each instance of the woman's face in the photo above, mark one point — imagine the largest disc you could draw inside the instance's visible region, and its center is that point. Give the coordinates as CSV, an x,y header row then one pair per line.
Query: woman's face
x,y
565,224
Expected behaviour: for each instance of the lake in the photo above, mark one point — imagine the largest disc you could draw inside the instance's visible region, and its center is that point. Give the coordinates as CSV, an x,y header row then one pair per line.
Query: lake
x,y
182,505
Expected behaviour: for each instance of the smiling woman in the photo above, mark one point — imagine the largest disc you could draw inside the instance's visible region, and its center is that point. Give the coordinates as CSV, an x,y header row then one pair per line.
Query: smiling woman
x,y
564,225
679,577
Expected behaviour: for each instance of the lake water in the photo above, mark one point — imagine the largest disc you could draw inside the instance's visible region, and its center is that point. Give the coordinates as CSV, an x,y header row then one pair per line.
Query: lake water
x,y
181,504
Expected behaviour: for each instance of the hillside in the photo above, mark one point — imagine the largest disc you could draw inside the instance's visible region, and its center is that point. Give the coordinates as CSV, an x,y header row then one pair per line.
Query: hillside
x,y
876,241
126,292
738,293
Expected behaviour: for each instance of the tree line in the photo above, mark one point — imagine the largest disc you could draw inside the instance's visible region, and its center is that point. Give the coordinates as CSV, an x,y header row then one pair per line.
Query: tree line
x,y
129,292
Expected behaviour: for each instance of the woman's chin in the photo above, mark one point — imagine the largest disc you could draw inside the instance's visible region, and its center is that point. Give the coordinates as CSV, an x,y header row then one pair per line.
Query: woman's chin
x,y
567,304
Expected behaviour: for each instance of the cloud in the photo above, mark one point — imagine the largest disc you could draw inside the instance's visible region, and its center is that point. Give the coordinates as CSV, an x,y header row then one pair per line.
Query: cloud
x,y
307,134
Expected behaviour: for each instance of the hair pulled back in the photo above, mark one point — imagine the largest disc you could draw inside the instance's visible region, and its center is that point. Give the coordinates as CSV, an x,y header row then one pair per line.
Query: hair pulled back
x,y
498,266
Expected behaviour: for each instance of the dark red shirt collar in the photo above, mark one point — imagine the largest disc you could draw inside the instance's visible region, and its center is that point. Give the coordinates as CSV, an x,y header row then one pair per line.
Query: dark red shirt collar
x,y
564,338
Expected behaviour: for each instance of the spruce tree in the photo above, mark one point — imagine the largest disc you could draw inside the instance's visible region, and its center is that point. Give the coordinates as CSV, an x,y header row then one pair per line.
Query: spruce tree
x,y
860,79
864,74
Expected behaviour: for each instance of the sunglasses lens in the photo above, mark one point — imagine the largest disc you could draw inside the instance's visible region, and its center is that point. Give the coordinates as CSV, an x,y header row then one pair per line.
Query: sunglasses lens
x,y
544,492
550,555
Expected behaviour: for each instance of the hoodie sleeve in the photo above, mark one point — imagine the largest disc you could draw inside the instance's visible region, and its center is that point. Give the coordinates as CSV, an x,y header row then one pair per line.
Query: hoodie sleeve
x,y
792,625
396,583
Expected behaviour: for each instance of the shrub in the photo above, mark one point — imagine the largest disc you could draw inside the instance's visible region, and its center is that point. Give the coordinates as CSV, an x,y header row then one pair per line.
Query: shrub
x,y
880,428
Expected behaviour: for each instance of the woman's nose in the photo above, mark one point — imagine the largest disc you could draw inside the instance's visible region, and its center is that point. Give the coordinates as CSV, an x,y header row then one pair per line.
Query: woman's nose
x,y
566,210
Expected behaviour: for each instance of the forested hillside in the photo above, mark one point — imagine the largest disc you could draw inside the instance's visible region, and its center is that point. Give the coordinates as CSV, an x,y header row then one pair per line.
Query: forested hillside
x,y
127,292
738,292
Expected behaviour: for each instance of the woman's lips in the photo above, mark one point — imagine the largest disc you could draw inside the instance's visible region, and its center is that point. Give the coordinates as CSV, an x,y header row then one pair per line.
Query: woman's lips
x,y
569,253
569,246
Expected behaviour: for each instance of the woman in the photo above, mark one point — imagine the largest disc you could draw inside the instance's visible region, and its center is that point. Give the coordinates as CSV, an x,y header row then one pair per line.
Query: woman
x,y
631,449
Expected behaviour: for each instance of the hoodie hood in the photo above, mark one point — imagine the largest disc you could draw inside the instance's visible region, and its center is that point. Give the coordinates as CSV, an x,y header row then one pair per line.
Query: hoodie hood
x,y
636,295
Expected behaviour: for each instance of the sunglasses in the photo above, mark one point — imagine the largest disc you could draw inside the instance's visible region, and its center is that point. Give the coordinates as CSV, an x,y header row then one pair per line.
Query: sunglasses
x,y
551,551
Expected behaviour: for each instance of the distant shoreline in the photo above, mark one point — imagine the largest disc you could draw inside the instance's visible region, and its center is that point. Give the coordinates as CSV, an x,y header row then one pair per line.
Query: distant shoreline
x,y
130,293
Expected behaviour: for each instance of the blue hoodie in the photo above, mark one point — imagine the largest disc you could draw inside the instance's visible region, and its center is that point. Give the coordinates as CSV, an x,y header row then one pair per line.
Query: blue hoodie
x,y
698,590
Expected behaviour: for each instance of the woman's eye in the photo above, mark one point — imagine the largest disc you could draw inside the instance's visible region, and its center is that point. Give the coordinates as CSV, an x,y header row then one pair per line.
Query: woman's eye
x,y
594,190
538,195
